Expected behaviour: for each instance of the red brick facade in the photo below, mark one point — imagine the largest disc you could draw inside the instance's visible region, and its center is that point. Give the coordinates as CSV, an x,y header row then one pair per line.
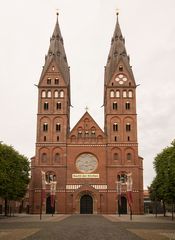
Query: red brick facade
x,y
86,162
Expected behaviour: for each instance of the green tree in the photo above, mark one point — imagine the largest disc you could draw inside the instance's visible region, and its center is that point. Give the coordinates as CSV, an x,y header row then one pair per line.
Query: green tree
x,y
14,174
163,186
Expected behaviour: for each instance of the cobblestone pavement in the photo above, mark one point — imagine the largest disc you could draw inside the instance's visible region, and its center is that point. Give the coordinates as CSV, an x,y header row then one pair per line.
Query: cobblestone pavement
x,y
86,227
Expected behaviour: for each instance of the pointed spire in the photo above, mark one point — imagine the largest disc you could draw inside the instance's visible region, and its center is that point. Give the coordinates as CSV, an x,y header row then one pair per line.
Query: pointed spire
x,y
117,52
57,52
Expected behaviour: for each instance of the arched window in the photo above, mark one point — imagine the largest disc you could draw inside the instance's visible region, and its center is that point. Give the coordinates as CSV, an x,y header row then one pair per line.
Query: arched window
x,y
79,134
124,94
58,127
56,94
46,106
115,127
129,156
111,93
58,105
120,68
127,105
45,127
130,94
50,176
49,81
128,127
117,93
43,94
114,105
93,133
44,157
116,156
56,81
57,157
61,94
49,94
86,134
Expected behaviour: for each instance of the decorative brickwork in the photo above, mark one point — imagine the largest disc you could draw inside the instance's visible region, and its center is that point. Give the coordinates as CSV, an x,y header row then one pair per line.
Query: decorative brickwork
x,y
87,162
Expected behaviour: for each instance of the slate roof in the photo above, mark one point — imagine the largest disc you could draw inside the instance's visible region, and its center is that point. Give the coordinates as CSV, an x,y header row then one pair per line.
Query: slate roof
x,y
57,52
117,52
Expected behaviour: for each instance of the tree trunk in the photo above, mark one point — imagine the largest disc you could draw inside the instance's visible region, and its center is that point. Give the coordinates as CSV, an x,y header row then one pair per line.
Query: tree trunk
x,y
6,207
172,211
164,209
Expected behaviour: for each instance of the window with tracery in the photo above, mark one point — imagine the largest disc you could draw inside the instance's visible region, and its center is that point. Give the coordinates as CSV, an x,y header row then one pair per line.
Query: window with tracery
x,y
58,127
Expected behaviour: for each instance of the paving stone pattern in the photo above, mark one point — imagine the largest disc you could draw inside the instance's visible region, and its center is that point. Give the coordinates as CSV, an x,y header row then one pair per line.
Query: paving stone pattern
x,y
85,227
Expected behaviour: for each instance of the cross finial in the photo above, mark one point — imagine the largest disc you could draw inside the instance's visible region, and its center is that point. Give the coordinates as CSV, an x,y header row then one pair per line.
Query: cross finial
x,y
57,12
117,12
86,108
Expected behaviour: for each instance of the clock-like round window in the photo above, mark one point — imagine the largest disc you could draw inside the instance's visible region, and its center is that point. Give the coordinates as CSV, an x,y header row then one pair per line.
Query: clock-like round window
x,y
121,78
86,163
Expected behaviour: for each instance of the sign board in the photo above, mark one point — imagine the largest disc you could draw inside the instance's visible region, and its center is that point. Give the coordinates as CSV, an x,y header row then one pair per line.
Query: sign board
x,y
85,175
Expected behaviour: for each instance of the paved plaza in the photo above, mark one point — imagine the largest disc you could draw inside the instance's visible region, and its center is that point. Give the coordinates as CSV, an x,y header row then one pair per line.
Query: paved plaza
x,y
86,227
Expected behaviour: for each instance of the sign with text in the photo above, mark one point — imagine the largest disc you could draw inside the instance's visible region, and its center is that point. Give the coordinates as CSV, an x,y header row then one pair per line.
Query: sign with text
x,y
85,175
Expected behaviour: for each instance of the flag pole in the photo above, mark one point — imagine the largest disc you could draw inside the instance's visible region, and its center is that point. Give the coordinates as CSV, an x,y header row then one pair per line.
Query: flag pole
x,y
119,196
41,205
129,192
43,188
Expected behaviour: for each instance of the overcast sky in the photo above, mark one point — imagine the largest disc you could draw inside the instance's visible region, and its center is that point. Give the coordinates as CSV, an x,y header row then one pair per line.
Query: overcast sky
x,y
87,27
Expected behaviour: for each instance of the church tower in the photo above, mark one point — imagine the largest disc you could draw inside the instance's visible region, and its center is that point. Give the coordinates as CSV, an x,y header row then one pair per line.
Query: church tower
x,y
121,119
87,163
53,118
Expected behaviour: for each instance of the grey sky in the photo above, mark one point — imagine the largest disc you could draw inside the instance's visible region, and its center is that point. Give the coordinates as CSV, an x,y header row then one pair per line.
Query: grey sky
x,y
87,28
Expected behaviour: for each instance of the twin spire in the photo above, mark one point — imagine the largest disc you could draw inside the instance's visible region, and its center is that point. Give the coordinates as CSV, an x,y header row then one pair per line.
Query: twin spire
x,y
57,52
117,53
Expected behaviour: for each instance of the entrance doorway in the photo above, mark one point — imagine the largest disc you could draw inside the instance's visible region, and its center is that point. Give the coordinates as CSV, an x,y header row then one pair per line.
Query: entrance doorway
x,y
86,204
123,207
49,208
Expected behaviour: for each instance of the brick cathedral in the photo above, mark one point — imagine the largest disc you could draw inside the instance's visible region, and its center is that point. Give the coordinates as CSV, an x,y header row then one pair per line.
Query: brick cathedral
x,y
87,162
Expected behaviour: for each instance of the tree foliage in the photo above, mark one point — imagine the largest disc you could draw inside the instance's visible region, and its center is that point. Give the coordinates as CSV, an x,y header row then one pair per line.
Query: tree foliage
x,y
163,185
14,173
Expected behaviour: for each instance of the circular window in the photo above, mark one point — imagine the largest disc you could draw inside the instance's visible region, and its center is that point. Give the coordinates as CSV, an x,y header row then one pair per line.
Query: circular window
x,y
86,163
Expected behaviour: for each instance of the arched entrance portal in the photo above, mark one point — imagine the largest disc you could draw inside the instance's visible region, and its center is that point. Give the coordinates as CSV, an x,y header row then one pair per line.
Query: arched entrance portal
x,y
49,208
123,205
86,204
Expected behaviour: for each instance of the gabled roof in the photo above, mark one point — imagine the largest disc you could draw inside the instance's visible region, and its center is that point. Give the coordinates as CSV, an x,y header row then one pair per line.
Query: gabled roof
x,y
116,54
92,124
57,52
